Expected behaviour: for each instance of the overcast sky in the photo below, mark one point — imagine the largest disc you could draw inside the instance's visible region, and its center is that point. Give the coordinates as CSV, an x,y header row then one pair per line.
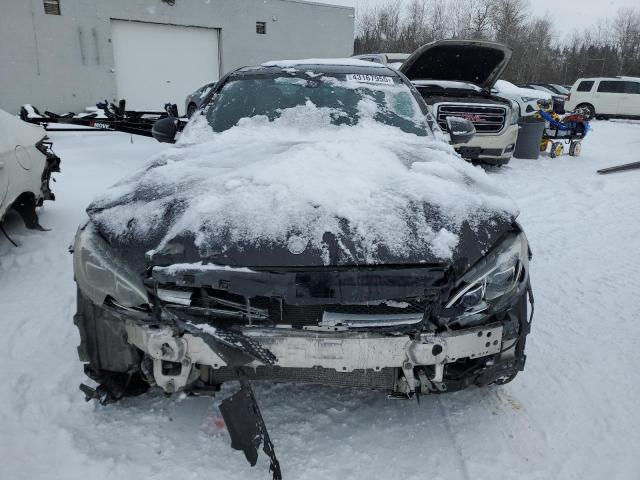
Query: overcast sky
x,y
567,14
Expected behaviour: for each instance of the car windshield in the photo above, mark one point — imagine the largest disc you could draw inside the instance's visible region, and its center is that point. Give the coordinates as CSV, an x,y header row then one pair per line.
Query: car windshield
x,y
351,98
560,89
543,89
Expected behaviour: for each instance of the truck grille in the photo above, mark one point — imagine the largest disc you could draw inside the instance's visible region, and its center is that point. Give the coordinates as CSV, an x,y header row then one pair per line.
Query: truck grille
x,y
486,119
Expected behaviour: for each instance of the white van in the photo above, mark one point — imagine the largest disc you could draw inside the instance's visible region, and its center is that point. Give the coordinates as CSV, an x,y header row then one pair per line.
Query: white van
x,y
607,97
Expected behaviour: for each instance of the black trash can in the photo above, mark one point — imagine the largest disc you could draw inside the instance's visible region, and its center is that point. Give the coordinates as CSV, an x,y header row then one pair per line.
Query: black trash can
x,y
529,137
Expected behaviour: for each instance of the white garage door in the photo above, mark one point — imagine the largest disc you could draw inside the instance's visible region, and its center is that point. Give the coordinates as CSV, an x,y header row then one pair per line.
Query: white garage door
x,y
156,64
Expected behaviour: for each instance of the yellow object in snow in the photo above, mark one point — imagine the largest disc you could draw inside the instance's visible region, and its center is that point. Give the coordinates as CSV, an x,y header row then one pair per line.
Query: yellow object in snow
x,y
544,143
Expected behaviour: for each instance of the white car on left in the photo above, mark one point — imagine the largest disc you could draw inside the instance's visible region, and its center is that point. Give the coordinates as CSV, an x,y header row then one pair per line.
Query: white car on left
x,y
26,165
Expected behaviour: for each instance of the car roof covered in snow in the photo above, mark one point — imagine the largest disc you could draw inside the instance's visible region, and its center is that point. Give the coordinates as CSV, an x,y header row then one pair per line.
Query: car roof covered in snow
x,y
319,65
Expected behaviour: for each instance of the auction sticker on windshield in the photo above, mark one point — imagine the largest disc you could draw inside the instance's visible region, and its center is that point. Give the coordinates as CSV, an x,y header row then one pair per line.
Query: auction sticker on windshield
x,y
379,79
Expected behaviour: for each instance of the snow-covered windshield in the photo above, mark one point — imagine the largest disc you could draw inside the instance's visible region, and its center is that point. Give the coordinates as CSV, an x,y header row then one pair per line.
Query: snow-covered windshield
x,y
349,98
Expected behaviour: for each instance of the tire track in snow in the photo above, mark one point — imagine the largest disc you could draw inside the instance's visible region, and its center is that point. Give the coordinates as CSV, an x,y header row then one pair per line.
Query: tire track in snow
x,y
459,452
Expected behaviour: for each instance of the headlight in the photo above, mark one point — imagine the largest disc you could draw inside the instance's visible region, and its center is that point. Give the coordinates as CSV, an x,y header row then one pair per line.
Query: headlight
x,y
528,99
493,282
515,112
99,274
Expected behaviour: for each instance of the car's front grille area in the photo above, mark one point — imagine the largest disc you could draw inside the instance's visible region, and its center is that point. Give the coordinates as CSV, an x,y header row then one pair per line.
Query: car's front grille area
x,y
219,304
486,119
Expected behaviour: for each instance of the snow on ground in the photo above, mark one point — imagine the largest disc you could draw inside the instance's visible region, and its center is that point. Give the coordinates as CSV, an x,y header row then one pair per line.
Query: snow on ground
x,y
573,413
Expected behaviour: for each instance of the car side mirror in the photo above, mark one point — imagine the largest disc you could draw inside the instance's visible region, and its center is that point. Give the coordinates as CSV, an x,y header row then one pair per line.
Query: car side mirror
x,y
165,129
460,130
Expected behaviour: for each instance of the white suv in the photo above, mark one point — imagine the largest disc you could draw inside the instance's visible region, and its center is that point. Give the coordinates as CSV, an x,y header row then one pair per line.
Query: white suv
x,y
606,97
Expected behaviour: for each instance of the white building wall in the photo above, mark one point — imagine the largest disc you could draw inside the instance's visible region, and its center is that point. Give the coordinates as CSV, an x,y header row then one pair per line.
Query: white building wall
x,y
65,63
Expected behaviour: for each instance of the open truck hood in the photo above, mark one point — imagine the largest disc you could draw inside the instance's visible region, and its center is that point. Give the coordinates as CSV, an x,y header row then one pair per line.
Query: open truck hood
x,y
477,62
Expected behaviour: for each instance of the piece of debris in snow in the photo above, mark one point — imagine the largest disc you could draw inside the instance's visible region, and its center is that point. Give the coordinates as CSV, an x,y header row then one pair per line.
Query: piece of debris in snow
x,y
246,427
620,168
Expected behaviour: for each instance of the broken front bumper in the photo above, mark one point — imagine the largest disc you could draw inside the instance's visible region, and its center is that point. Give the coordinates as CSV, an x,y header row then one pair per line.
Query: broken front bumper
x,y
178,359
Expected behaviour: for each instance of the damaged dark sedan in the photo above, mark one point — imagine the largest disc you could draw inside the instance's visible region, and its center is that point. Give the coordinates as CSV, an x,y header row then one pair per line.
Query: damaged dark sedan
x,y
311,224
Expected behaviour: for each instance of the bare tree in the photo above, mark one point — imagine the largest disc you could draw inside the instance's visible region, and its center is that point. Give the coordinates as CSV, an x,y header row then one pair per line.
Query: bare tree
x,y
626,27
480,13
380,26
508,18
611,46
414,32
437,26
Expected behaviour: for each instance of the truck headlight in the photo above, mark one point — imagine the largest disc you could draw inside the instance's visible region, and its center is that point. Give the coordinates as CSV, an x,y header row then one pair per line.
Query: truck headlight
x,y
99,274
494,281
515,112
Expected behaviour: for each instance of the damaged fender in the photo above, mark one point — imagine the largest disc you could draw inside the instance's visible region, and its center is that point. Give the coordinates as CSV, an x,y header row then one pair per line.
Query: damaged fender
x,y
26,165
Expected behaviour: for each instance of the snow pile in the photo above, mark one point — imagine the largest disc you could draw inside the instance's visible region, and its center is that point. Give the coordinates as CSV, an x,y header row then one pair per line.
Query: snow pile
x,y
300,175
509,88
350,62
211,267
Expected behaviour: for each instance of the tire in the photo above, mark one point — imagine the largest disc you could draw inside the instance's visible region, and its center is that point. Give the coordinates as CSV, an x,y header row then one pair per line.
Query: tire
x,y
575,149
505,379
556,149
191,109
591,115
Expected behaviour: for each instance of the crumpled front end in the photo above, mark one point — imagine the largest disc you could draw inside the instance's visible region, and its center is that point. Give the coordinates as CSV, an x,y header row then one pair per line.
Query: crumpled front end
x,y
403,330
399,329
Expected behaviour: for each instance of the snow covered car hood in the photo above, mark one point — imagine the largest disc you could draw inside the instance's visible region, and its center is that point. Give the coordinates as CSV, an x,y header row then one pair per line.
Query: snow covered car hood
x,y
477,62
301,191
502,87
